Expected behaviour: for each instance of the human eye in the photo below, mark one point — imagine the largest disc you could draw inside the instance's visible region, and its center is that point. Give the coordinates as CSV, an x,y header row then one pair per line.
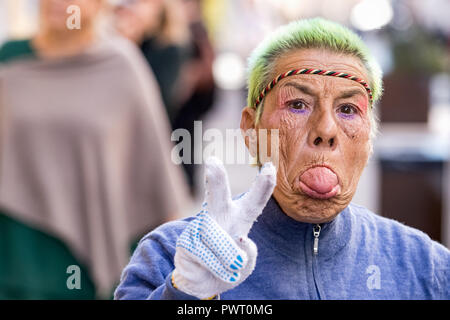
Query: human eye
x,y
347,110
297,106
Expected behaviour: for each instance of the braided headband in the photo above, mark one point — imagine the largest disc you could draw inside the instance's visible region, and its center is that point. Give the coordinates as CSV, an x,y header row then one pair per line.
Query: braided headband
x,y
312,71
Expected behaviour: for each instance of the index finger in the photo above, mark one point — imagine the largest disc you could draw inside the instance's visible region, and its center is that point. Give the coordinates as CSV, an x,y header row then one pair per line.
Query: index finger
x,y
254,201
217,189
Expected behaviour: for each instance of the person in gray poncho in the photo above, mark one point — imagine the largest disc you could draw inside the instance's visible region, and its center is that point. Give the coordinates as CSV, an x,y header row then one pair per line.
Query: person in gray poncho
x,y
85,154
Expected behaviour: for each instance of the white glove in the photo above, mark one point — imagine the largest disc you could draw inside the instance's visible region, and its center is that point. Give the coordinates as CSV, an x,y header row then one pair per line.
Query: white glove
x,y
213,254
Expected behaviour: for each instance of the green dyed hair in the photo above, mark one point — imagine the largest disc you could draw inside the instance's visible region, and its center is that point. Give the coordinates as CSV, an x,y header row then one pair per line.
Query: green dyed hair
x,y
314,33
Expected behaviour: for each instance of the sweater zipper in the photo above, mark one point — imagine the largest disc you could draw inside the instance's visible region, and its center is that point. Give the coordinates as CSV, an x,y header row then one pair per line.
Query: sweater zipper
x,y
316,233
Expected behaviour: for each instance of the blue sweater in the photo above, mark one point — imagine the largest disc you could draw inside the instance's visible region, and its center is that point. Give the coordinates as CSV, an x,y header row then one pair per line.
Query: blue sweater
x,y
360,256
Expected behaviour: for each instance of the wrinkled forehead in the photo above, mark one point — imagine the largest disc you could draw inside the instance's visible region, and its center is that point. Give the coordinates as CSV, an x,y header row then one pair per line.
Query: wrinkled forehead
x,y
318,59
316,66
322,87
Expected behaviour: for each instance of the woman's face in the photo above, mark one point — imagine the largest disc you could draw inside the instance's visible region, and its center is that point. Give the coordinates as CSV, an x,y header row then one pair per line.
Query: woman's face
x,y
324,133
54,13
150,11
139,18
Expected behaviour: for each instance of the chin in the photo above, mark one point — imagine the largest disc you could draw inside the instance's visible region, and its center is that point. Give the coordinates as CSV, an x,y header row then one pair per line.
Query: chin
x,y
310,210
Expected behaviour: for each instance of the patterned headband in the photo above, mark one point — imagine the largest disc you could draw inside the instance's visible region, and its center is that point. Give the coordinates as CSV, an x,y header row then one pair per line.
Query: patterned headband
x,y
312,71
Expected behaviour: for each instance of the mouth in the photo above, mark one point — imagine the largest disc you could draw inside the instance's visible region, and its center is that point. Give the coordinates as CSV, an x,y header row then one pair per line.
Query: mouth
x,y
319,182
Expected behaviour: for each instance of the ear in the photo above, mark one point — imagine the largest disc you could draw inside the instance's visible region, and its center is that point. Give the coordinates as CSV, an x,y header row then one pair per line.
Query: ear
x,y
248,129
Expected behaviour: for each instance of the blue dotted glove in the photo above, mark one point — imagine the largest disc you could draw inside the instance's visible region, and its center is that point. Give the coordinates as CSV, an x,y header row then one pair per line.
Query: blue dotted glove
x,y
214,254
211,245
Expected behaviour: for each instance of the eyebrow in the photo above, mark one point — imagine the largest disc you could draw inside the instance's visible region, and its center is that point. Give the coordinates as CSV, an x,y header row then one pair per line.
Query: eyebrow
x,y
350,93
345,95
302,88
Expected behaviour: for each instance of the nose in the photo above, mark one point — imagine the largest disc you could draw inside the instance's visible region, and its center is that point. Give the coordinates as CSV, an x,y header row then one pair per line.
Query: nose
x,y
323,132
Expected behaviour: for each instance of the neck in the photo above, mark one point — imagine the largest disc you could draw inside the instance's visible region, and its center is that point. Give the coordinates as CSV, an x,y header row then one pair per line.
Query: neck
x,y
54,44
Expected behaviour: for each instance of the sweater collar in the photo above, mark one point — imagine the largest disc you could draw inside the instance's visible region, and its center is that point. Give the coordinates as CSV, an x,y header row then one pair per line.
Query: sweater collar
x,y
289,235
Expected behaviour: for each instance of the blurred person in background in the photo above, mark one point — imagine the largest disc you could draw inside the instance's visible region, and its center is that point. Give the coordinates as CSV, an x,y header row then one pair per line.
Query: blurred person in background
x,y
159,28
197,91
85,157
174,40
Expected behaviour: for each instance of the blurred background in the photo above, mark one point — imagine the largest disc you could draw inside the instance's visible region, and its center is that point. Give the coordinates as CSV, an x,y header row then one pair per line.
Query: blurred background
x,y
197,50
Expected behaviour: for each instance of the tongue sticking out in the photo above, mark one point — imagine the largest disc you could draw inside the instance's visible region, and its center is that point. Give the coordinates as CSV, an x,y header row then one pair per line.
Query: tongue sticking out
x,y
319,182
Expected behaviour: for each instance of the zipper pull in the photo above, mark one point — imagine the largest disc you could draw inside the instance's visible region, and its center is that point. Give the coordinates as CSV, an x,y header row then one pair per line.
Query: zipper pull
x,y
316,233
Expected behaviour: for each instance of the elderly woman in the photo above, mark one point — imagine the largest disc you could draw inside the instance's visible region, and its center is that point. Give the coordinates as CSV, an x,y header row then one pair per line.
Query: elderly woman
x,y
316,83
85,159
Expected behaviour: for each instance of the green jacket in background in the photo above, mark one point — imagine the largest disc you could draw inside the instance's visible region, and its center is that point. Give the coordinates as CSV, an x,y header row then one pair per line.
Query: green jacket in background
x,y
33,264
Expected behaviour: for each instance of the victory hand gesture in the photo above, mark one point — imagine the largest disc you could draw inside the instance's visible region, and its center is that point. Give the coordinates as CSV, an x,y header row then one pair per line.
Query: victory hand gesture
x,y
214,254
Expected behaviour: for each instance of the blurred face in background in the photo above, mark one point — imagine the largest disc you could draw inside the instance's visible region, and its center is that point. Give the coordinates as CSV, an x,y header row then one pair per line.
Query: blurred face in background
x,y
54,15
193,10
137,18
150,13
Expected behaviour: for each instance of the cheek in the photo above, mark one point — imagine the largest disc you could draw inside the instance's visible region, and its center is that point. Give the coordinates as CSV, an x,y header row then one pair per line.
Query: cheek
x,y
291,127
358,126
357,129
293,131
269,140
293,134
292,121
355,145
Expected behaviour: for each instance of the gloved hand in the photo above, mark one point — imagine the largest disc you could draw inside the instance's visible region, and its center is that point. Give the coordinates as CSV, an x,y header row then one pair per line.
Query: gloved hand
x,y
214,254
